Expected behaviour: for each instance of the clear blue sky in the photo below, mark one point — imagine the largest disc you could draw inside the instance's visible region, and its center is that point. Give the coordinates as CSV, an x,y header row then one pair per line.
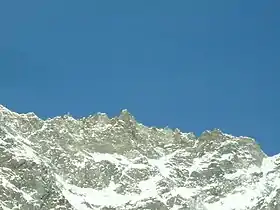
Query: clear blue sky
x,y
194,65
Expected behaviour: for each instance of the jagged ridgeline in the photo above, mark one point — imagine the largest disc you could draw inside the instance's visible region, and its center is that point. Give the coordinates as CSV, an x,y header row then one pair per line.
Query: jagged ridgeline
x,y
116,163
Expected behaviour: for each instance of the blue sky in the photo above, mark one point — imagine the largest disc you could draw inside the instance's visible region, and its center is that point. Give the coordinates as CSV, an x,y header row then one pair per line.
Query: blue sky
x,y
194,65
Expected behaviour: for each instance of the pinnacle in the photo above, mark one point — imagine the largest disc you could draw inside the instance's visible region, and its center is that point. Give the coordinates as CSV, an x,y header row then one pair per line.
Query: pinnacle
x,y
125,115
124,111
3,108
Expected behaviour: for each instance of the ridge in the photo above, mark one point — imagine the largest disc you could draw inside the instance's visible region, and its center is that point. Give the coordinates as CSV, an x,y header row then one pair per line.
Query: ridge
x,y
62,163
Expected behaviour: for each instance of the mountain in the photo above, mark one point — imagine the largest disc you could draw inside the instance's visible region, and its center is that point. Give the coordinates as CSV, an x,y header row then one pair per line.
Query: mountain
x,y
119,164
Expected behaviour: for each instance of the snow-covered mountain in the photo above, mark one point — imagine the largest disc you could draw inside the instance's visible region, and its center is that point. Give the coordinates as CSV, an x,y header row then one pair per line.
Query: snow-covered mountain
x,y
119,164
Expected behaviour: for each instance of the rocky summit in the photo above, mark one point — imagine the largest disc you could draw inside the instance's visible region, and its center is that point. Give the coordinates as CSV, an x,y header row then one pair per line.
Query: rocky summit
x,y
116,163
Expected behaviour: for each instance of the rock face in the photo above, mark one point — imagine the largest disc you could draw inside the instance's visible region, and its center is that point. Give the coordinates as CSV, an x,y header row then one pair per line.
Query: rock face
x,y
118,164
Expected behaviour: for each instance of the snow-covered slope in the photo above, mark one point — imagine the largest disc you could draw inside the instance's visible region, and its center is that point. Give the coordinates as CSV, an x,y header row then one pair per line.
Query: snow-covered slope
x,y
106,164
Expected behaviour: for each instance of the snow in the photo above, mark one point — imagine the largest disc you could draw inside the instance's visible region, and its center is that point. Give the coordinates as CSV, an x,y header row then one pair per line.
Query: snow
x,y
184,192
227,157
107,196
268,164
246,195
25,152
200,163
117,160
5,208
7,184
99,127
161,165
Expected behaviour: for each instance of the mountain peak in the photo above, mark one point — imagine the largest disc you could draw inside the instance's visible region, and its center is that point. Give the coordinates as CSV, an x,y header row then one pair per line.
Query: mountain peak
x,y
126,116
3,109
63,163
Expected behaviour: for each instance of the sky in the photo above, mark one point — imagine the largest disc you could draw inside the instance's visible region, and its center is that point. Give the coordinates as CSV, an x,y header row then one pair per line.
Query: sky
x,y
192,65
